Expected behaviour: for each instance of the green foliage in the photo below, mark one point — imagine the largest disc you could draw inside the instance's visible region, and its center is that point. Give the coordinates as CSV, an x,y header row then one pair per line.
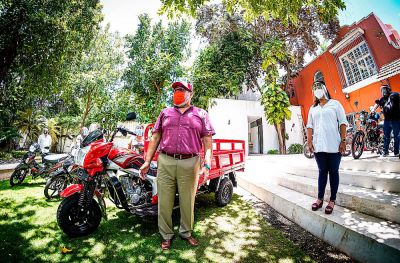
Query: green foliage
x,y
276,104
18,154
8,135
40,42
97,75
286,10
30,122
4,156
273,151
221,68
295,148
156,55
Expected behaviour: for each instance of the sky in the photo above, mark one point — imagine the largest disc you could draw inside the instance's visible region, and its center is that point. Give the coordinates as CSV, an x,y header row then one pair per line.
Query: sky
x,y
387,10
122,15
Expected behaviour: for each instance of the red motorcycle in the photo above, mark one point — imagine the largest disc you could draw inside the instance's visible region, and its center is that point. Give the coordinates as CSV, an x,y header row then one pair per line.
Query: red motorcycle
x,y
103,167
114,172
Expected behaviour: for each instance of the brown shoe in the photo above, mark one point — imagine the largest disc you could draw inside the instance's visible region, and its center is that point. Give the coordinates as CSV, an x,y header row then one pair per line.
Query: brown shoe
x,y
193,242
317,205
166,244
329,207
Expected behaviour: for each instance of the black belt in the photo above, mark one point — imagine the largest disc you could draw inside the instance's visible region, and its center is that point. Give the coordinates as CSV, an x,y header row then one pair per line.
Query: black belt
x,y
180,156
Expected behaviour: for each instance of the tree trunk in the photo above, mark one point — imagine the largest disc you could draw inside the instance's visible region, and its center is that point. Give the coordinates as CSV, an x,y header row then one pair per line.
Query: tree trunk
x,y
281,131
85,114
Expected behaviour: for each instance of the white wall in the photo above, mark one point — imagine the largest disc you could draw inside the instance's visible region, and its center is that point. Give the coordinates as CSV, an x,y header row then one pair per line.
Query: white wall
x,y
237,114
294,131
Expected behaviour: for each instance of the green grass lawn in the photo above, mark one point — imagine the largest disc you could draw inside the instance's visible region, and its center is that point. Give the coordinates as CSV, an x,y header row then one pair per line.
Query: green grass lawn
x,y
235,233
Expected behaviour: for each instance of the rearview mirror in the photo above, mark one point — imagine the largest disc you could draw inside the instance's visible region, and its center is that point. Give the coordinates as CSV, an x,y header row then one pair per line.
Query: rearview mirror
x,y
131,116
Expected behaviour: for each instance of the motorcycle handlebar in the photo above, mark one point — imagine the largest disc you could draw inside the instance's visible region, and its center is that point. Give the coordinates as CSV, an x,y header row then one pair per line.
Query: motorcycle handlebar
x,y
122,130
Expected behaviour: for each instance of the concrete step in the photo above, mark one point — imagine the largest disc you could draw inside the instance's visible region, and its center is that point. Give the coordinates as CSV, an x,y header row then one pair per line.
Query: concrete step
x,y
367,201
372,164
389,182
369,163
362,237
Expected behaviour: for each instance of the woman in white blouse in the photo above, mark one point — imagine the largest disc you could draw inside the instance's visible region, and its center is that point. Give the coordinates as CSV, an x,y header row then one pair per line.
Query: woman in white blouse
x,y
326,135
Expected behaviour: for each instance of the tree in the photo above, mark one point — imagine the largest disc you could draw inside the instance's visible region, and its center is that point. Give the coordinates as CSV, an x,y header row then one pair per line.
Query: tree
x,y
99,71
30,123
222,67
156,55
276,107
285,10
39,41
269,45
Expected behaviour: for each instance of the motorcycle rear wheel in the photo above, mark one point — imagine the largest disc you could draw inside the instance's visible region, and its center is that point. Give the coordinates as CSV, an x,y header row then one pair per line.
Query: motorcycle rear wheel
x,y
18,176
357,146
69,222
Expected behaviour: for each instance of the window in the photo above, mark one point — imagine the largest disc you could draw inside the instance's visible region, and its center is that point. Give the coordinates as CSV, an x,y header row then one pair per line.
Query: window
x,y
358,64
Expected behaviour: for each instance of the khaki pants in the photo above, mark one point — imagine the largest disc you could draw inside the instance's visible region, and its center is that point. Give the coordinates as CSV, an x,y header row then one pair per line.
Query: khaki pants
x,y
173,174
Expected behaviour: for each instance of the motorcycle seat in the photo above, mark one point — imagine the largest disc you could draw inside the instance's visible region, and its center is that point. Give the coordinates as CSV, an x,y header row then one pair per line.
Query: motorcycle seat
x,y
55,158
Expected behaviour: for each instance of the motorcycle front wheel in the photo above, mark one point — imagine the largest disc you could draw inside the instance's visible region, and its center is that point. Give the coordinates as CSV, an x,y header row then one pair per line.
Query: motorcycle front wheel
x,y
18,176
54,186
73,224
357,146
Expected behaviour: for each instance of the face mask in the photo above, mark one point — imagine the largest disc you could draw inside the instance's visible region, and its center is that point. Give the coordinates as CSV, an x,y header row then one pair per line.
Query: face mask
x,y
181,98
319,93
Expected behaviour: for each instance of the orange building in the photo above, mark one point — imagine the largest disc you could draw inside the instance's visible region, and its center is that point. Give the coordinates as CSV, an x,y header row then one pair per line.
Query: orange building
x,y
364,56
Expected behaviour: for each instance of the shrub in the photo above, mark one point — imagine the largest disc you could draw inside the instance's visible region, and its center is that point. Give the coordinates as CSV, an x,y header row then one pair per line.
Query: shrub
x,y
5,156
295,148
17,154
273,151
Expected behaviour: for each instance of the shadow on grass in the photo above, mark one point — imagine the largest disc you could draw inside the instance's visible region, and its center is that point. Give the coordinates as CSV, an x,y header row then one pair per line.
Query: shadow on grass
x,y
29,232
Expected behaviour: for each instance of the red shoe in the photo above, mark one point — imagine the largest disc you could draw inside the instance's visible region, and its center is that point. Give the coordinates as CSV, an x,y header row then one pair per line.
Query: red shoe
x,y
166,244
315,206
329,207
191,241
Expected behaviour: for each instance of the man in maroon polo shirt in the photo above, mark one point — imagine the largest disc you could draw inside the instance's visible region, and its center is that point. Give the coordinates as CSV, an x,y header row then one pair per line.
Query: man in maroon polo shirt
x,y
180,132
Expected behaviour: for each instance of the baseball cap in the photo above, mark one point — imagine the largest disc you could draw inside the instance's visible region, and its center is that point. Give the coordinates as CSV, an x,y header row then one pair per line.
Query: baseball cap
x,y
183,84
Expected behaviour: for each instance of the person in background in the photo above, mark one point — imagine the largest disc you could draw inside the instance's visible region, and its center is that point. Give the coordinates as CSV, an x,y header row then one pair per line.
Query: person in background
x,y
44,141
180,131
390,105
78,141
94,126
137,141
81,136
326,135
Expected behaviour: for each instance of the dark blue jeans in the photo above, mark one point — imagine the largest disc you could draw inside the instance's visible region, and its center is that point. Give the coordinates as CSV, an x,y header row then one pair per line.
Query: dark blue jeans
x,y
388,126
328,163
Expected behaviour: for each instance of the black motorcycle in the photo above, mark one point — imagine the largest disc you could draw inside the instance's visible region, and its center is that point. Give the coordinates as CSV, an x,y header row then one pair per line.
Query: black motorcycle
x,y
60,179
369,137
29,166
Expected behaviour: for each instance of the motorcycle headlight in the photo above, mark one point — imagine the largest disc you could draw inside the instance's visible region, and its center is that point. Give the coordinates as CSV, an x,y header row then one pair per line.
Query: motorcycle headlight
x,y
362,117
32,148
80,156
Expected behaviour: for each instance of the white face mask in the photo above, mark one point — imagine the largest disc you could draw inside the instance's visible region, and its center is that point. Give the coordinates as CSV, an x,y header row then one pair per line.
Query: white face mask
x,y
319,93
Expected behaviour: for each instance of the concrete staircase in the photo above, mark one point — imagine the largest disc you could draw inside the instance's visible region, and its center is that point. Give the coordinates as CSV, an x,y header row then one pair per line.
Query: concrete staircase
x,y
365,223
